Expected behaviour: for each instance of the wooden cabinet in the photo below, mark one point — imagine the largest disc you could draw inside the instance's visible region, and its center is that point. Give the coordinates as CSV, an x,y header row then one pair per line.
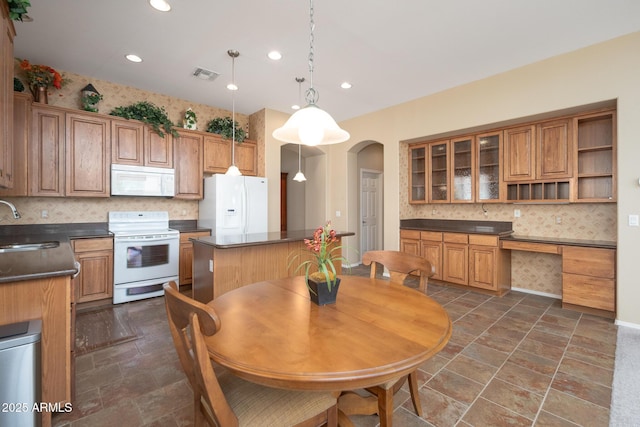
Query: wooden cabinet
x,y
95,281
410,241
519,153
21,118
554,150
187,157
417,173
6,97
489,266
134,143
462,170
588,278
46,151
217,155
487,176
596,157
186,256
88,156
439,172
455,264
431,249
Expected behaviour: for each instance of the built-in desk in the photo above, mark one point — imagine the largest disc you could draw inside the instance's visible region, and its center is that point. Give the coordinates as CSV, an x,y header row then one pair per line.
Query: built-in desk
x,y
588,270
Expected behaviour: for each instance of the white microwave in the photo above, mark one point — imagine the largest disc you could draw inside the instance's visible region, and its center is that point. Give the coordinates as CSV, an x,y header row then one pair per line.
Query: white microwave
x,y
129,180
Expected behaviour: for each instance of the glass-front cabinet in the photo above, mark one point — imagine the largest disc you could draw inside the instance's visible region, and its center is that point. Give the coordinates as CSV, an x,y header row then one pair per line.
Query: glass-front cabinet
x,y
462,170
439,172
418,177
488,169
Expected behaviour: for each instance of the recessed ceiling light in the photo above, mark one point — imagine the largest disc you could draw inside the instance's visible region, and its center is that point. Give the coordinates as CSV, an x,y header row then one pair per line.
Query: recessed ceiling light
x,y
345,85
275,55
133,58
161,5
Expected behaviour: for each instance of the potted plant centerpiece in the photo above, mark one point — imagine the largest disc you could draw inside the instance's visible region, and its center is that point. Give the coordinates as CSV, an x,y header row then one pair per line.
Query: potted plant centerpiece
x,y
322,254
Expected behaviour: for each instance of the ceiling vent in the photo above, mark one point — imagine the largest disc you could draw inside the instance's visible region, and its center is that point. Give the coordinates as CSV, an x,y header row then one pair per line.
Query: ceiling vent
x,y
204,74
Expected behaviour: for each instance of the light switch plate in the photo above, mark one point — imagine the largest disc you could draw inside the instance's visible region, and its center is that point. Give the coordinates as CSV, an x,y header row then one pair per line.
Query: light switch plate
x,y
634,220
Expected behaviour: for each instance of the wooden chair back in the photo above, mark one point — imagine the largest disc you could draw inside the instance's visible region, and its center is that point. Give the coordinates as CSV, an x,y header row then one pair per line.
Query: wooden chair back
x,y
400,265
181,311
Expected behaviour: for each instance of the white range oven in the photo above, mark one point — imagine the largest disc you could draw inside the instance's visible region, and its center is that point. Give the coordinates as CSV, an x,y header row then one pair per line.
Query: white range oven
x,y
145,254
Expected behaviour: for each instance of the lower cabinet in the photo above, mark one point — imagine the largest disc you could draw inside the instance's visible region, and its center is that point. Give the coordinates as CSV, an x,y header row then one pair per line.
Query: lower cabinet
x,y
474,260
588,278
186,256
95,281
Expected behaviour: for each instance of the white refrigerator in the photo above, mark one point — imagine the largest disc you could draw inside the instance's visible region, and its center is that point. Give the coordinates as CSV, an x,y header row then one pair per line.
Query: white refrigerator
x,y
234,205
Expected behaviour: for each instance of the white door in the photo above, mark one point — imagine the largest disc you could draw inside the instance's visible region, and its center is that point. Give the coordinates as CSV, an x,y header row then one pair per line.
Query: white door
x,y
370,210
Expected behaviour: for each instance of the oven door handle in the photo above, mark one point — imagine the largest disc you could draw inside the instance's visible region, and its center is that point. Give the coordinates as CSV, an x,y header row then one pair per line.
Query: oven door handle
x,y
142,239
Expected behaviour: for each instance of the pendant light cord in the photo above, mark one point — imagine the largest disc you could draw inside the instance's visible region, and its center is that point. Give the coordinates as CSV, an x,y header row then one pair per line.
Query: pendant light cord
x,y
311,96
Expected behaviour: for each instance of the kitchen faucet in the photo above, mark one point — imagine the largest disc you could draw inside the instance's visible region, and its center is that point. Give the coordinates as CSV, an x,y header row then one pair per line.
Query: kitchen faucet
x,y
15,212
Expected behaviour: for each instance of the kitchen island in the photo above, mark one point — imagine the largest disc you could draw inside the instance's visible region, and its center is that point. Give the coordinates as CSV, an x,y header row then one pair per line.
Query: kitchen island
x,y
223,263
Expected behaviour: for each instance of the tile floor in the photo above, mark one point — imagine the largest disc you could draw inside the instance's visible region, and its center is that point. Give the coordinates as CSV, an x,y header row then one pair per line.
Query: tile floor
x,y
519,360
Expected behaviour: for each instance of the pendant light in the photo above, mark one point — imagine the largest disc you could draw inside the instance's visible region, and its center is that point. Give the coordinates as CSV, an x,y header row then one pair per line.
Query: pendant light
x,y
311,125
299,176
233,169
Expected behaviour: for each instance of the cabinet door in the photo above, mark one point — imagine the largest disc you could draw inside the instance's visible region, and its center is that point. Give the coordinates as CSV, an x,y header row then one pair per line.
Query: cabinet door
x,y
554,150
410,246
439,172
158,150
482,267
417,174
88,159
217,154
519,154
46,152
462,170
246,157
6,99
95,281
455,263
21,115
432,252
488,167
127,142
187,159
186,263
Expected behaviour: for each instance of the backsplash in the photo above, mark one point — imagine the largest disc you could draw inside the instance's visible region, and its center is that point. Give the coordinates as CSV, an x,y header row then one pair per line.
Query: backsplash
x,y
76,209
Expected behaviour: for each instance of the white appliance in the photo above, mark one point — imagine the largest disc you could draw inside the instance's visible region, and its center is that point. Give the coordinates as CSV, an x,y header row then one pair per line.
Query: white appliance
x,y
145,254
234,205
127,180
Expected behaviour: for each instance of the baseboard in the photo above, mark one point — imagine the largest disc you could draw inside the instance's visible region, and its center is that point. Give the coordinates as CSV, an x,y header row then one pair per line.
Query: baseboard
x,y
542,294
627,324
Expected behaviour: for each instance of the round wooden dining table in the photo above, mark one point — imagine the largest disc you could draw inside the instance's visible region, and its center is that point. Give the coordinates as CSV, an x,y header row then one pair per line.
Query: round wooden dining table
x,y
273,334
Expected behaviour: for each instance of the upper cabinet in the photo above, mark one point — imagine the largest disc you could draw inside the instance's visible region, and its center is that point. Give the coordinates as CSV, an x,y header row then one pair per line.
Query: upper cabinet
x,y
519,153
462,170
188,152
46,151
596,155
488,188
21,119
439,172
217,155
6,97
134,143
417,173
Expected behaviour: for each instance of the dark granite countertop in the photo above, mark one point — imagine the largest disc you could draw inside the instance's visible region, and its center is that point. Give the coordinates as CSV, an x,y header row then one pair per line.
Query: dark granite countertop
x,y
256,239
187,226
606,244
500,228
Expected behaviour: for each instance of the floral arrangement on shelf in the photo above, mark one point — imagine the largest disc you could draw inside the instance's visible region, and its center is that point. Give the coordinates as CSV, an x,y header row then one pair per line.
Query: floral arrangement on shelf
x,y
42,75
323,256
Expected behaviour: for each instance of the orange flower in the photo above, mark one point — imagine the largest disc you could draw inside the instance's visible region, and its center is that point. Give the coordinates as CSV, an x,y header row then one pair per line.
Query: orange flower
x,y
41,75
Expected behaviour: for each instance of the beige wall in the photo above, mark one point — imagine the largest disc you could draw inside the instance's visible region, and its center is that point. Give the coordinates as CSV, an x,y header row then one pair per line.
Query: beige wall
x,y
607,71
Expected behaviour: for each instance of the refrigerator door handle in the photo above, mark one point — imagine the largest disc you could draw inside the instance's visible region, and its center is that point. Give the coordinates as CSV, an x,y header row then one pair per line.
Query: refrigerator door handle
x,y
245,204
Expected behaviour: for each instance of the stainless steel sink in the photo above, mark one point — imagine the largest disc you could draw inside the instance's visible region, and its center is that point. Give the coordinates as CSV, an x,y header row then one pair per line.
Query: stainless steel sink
x,y
16,247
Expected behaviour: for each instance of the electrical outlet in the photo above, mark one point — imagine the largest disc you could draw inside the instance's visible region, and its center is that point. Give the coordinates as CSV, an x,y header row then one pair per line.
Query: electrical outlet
x,y
634,220
558,220
516,213
44,213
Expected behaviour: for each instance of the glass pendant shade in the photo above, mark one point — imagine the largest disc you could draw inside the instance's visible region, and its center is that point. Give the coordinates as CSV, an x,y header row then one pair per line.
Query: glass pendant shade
x,y
233,171
300,177
311,126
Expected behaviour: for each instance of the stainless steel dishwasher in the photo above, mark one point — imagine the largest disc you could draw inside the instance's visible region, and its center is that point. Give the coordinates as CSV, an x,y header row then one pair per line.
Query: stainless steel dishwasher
x,y
20,374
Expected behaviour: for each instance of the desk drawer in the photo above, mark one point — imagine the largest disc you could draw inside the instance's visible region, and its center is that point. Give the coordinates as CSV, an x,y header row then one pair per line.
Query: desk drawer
x,y
455,238
595,262
588,291
546,248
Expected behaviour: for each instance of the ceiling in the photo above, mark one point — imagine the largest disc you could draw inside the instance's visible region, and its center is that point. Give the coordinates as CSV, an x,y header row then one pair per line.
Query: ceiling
x,y
391,52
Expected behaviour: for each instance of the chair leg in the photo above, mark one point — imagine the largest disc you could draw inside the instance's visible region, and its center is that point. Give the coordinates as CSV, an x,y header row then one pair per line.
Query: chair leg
x,y
415,393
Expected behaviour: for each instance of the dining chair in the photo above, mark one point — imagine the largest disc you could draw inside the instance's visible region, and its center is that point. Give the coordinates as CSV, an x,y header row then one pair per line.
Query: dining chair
x,y
224,399
400,265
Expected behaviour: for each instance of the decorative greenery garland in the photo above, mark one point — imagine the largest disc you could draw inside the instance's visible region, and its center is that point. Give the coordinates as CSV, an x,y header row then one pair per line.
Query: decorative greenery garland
x,y
148,113
224,126
18,8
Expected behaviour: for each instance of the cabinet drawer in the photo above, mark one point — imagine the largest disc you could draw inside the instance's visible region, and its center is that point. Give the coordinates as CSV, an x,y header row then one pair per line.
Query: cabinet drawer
x,y
546,248
455,238
483,240
435,236
595,262
589,291
410,234
87,245
184,237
